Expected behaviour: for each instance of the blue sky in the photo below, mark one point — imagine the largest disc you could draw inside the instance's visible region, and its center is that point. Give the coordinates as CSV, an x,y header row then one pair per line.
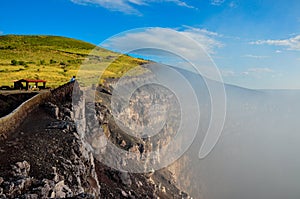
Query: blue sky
x,y
255,43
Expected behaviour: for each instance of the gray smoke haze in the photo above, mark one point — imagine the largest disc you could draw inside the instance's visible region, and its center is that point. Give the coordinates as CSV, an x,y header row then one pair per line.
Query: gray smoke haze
x,y
257,153
254,156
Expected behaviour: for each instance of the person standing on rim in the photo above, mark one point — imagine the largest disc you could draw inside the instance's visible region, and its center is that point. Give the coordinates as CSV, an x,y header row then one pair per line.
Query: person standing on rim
x,y
73,79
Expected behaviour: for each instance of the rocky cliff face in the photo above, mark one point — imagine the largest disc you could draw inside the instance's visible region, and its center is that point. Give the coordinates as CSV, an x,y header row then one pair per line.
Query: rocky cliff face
x,y
48,157
45,158
99,128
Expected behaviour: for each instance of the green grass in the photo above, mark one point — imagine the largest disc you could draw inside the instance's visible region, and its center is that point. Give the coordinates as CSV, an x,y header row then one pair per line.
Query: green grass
x,y
55,59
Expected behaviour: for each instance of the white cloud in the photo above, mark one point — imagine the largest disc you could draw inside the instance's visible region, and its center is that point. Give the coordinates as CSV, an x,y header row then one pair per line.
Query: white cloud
x,y
202,31
217,2
228,73
258,72
180,3
256,56
291,43
115,5
206,38
255,72
162,36
1,32
189,44
128,6
233,4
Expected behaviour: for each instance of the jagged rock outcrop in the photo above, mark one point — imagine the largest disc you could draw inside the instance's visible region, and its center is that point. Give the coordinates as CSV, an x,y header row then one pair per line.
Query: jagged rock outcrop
x,y
21,185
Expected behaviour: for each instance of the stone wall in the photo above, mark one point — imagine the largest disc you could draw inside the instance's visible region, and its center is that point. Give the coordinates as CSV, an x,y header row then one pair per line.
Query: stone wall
x,y
62,93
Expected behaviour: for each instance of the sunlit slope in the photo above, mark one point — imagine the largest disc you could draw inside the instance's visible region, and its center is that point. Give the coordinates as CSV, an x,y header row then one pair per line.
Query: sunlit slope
x,y
54,59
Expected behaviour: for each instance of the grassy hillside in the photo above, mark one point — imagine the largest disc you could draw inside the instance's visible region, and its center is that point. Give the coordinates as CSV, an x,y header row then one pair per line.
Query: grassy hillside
x,y
52,58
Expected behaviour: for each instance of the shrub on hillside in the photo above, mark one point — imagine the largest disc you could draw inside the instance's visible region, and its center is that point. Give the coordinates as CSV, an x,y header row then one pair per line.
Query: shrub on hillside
x,y
23,63
52,61
42,62
14,62
74,61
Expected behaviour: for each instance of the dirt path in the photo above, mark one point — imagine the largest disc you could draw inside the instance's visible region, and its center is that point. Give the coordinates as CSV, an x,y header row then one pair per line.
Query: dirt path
x,y
32,142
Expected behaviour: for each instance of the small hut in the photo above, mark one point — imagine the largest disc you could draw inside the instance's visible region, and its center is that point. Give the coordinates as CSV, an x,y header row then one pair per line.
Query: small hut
x,y
19,83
